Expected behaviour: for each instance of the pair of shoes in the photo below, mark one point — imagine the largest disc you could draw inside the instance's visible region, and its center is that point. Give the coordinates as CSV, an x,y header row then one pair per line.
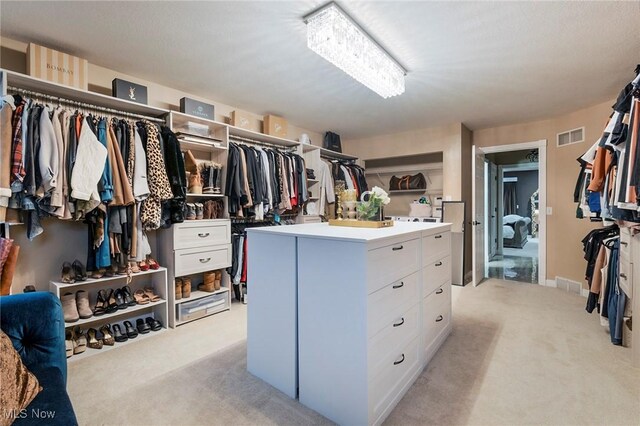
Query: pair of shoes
x,y
213,209
98,338
76,306
212,281
107,303
129,332
72,272
211,174
183,287
148,324
190,211
150,263
146,296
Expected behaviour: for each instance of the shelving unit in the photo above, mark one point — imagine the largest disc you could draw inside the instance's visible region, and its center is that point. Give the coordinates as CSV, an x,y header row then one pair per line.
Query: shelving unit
x,y
159,310
90,352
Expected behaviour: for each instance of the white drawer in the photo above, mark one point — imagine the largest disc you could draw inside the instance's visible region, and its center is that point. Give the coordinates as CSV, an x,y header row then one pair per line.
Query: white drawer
x,y
386,304
435,274
435,246
436,313
390,263
193,261
198,233
626,277
394,375
396,334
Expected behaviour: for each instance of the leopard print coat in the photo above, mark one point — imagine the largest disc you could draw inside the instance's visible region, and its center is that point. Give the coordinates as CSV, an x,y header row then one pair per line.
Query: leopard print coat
x,y
157,178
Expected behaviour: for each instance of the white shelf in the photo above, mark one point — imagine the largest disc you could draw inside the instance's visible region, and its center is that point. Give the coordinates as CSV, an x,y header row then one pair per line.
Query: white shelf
x,y
23,81
201,146
336,155
91,352
116,314
88,281
180,119
308,148
312,181
314,198
199,294
261,137
407,191
205,195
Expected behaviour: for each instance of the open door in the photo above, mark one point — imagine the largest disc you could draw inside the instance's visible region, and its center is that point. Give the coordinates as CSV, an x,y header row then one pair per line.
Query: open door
x,y
477,187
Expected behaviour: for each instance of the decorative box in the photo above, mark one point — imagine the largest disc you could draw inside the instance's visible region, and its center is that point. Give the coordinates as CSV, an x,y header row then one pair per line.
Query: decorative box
x,y
58,67
275,126
197,108
241,119
129,91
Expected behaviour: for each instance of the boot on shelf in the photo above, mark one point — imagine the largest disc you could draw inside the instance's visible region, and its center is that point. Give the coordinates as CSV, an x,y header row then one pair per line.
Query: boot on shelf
x,y
190,211
199,211
82,300
69,307
209,282
206,170
178,288
186,287
217,188
206,210
218,280
195,180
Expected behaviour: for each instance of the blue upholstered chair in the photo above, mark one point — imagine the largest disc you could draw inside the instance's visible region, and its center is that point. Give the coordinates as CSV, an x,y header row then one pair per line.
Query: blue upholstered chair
x,y
35,324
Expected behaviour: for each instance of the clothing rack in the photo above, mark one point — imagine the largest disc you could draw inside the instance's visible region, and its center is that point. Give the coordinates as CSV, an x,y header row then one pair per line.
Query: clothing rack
x,y
337,160
246,141
83,105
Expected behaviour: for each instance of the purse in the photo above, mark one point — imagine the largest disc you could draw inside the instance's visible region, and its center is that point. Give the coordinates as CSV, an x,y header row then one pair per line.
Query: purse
x,y
407,182
332,141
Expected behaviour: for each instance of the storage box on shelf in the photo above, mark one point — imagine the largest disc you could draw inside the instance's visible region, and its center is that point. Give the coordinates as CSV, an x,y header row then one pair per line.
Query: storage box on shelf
x,y
157,279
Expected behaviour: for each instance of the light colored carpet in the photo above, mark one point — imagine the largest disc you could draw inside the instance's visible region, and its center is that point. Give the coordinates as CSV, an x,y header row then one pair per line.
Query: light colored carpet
x,y
517,355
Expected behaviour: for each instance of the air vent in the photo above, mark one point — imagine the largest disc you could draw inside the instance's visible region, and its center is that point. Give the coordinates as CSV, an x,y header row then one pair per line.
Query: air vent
x,y
571,136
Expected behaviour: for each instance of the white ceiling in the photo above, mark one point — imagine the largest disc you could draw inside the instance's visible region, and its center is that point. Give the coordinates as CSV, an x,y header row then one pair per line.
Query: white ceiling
x,y
480,63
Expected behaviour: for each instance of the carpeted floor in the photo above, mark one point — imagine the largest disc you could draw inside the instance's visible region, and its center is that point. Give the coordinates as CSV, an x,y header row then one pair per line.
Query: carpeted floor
x,y
518,354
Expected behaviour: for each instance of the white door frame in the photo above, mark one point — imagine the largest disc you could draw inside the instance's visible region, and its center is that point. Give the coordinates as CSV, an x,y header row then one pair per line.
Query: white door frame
x,y
541,145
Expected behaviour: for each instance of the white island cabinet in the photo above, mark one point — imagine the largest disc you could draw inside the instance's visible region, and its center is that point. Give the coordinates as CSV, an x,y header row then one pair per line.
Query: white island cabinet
x,y
345,319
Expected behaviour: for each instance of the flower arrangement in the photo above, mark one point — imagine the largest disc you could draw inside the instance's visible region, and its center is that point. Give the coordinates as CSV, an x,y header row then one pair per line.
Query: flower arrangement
x,y
371,209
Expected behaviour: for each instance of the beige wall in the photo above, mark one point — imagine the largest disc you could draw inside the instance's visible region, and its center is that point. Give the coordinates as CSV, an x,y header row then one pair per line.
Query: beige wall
x,y
564,231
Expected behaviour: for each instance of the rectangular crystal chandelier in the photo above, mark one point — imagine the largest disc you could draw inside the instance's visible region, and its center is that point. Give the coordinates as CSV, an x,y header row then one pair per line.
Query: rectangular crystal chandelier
x,y
332,34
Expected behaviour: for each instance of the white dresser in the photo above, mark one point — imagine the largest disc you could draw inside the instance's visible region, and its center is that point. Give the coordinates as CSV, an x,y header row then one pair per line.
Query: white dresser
x,y
359,312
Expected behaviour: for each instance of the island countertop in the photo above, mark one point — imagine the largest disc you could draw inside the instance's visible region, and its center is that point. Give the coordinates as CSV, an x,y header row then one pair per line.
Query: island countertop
x,y
325,231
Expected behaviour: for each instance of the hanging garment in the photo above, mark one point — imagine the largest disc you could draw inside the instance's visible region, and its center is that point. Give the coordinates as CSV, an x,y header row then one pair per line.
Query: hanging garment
x,y
159,187
88,168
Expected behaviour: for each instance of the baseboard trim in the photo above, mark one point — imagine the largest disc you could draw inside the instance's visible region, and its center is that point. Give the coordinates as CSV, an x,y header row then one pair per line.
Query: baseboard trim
x,y
551,283
585,293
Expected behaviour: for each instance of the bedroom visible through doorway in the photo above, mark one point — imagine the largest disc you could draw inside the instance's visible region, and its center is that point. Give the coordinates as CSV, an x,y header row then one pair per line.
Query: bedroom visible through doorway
x,y
513,215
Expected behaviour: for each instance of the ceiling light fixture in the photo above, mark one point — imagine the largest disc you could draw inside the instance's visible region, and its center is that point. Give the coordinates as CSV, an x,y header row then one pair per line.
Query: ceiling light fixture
x,y
335,36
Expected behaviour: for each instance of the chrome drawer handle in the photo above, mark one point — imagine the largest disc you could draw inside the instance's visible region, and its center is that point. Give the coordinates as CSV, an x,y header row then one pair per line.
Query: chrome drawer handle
x,y
438,236
399,362
398,324
623,276
399,285
440,318
205,260
439,291
439,264
624,243
397,248
203,235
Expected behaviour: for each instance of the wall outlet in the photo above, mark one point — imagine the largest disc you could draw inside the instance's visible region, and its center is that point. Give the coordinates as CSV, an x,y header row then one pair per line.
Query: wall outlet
x,y
549,211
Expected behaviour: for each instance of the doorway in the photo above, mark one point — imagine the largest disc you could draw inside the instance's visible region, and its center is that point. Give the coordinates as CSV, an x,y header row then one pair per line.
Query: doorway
x,y
509,205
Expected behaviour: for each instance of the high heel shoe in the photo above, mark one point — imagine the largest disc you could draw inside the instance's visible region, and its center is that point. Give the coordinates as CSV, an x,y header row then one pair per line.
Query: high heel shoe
x,y
79,341
67,275
152,263
93,341
112,305
107,337
143,266
119,296
80,273
128,296
101,304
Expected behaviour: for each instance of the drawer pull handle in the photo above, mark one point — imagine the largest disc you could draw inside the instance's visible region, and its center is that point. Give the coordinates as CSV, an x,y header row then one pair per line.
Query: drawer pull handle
x,y
623,276
205,235
205,260
439,264
438,236
439,291
440,318
398,324
399,285
397,248
624,243
399,362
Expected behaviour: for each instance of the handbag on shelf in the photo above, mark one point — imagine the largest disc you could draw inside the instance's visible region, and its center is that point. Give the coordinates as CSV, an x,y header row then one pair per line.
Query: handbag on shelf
x,y
332,141
407,182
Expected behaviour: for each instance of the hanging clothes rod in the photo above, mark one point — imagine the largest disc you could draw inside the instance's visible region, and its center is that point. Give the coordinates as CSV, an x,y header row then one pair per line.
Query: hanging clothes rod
x,y
83,105
343,160
242,140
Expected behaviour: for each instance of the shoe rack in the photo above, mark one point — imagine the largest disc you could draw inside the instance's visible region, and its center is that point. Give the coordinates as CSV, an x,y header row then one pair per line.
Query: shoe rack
x,y
155,278
193,247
